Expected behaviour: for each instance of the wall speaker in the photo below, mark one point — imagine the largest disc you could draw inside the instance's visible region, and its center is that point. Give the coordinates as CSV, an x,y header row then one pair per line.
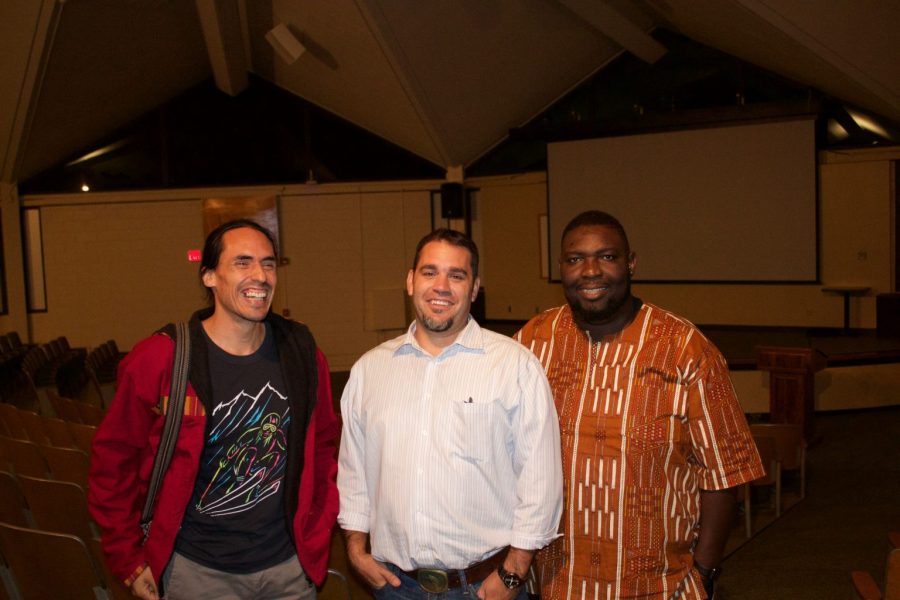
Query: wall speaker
x,y
452,200
285,44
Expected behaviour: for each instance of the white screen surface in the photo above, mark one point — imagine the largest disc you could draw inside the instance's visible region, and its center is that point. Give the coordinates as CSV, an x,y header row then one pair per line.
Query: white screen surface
x,y
710,205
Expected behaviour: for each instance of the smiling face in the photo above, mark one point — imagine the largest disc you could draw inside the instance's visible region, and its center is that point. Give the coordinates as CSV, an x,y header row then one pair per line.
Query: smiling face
x,y
243,282
596,267
442,288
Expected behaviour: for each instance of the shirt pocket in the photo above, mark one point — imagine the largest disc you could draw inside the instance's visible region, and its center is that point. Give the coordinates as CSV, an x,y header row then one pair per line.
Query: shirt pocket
x,y
659,433
471,428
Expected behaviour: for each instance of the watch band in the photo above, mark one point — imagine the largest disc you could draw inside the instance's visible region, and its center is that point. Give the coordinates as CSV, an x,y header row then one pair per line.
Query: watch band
x,y
707,573
509,579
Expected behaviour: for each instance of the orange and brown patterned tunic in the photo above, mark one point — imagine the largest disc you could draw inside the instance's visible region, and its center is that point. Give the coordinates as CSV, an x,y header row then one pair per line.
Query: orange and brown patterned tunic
x,y
648,418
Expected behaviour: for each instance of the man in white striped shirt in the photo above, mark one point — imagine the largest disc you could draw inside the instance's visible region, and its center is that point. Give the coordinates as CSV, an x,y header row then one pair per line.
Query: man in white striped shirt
x,y
450,456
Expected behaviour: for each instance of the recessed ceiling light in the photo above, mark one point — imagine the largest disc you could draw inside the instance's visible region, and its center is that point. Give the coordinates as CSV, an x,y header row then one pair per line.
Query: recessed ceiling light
x,y
837,130
869,124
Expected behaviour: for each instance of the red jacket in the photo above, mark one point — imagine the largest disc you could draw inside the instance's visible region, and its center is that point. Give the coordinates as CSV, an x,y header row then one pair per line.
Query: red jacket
x,y
126,442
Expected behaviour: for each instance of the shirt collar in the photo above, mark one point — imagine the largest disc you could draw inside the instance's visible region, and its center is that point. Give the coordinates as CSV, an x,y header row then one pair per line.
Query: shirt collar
x,y
470,339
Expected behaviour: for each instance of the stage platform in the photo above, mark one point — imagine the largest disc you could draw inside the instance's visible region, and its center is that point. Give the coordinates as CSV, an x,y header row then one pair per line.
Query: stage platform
x,y
859,368
738,344
838,347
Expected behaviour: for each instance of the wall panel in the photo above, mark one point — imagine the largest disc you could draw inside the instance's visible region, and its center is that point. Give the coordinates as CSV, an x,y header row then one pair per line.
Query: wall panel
x,y
118,271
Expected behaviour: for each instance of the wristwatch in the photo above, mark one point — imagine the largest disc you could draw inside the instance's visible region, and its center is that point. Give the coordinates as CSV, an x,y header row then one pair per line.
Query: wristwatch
x,y
708,579
510,580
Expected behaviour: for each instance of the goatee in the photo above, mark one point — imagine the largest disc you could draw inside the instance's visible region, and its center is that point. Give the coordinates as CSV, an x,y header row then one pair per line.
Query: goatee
x,y
587,316
434,324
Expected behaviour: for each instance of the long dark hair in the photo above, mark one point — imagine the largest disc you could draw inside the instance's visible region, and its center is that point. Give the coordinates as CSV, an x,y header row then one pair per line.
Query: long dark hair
x,y
212,248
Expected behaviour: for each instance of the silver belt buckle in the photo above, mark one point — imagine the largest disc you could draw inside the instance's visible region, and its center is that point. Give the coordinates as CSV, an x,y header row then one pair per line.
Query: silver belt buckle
x,y
433,581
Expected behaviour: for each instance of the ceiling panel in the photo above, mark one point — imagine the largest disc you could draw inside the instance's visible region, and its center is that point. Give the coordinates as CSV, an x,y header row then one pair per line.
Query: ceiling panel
x,y
110,63
446,80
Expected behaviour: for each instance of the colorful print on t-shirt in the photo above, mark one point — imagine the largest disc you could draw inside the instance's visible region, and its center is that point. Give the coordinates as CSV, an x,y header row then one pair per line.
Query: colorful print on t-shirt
x,y
249,463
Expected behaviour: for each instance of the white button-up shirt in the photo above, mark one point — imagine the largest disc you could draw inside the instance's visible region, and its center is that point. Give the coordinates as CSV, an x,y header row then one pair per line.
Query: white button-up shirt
x,y
447,459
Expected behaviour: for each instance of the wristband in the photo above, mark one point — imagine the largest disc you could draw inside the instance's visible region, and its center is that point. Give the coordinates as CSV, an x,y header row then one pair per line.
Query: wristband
x,y
707,573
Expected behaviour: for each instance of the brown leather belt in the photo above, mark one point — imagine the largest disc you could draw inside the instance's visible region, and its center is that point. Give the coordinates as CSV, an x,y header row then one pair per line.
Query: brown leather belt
x,y
438,581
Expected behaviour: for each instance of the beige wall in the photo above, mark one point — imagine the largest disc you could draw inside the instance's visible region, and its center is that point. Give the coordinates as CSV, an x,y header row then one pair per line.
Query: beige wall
x,y
509,210
118,271
116,264
15,317
349,254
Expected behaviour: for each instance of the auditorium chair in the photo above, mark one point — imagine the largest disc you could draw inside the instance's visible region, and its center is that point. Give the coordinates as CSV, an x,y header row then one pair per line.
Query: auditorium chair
x,y
771,478
336,587
25,393
24,457
68,464
83,435
58,506
46,565
34,426
65,408
12,422
13,508
90,414
790,447
115,588
57,432
864,584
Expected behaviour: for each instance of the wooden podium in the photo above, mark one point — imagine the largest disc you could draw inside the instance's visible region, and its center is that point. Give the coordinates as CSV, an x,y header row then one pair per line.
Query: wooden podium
x,y
792,384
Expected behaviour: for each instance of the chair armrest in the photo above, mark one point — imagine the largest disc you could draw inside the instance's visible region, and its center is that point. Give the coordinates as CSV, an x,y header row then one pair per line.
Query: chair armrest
x,y
865,586
894,539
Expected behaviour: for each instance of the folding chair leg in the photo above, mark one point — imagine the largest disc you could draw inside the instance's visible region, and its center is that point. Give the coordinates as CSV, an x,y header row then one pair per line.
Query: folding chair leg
x,y
9,584
748,526
778,490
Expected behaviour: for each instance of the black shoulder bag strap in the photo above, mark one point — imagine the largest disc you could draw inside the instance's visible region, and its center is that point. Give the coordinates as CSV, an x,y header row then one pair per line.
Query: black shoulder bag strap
x,y
172,425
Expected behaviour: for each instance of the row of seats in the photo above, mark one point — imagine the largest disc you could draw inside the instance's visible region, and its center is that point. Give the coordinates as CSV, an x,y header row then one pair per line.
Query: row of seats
x,y
28,458
74,411
50,431
45,528
25,370
11,346
12,352
103,361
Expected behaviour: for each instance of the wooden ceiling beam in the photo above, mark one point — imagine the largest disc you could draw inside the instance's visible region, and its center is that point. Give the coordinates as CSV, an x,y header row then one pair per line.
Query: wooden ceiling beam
x,y
617,27
223,33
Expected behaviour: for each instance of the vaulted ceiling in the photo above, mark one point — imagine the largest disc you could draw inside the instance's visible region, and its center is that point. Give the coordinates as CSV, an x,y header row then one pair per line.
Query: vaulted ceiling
x,y
446,80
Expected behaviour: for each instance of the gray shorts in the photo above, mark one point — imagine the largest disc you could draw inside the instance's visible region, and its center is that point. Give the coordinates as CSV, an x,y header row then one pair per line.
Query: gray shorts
x,y
184,579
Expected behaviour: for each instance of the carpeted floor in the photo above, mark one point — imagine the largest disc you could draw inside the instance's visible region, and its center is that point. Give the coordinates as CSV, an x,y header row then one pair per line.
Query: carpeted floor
x,y
852,501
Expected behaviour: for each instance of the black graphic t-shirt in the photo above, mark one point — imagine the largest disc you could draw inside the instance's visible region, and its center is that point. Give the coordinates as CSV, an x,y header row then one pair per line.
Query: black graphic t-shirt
x,y
235,521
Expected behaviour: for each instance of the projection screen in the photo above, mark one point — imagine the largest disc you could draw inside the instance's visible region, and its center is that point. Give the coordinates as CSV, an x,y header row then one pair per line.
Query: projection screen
x,y
730,204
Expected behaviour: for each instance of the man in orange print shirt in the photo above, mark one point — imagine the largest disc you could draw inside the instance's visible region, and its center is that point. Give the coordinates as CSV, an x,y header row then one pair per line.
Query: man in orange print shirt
x,y
654,441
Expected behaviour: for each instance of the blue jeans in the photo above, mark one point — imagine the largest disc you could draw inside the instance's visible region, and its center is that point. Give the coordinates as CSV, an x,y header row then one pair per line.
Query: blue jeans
x,y
411,590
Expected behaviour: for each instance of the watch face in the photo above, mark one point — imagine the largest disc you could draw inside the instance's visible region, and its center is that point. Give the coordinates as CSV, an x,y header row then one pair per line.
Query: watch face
x,y
510,580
